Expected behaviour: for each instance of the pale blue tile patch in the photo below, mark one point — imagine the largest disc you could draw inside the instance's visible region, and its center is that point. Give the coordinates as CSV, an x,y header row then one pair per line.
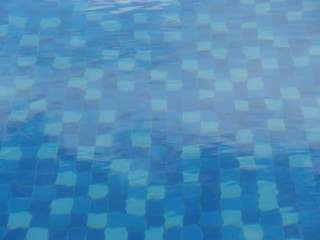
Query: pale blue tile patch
x,y
289,216
140,139
7,92
97,220
66,178
47,151
125,85
208,127
136,206
273,104
118,233
276,124
159,105
120,165
311,112
40,104
300,161
155,233
173,219
230,189
36,233
191,151
268,195
231,218
104,140
61,206
156,192
107,116
23,82
19,220
244,136
253,232
97,191
313,134
85,153
10,153
242,105
137,177
290,93
70,117
191,117
93,74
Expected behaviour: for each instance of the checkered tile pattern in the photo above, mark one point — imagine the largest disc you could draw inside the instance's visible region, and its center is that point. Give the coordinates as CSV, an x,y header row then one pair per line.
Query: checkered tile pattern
x,y
179,119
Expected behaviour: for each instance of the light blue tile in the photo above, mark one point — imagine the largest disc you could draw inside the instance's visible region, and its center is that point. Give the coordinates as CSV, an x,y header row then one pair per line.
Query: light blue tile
x,y
191,117
313,134
107,116
126,64
273,104
159,105
300,161
97,220
231,218
98,190
206,74
209,127
19,220
93,74
77,82
230,189
189,64
7,92
23,82
66,178
70,117
141,139
156,192
191,151
120,165
155,233
173,219
61,206
290,93
276,125
93,94
172,36
50,22
104,140
311,112
110,26
126,85
267,195
253,231
255,84
138,177
37,234
244,136
119,233
85,153
48,150
173,85
10,153
136,206
289,216
219,53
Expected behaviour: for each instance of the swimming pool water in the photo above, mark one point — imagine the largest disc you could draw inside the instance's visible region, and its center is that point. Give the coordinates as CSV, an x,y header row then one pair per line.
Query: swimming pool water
x,y
166,119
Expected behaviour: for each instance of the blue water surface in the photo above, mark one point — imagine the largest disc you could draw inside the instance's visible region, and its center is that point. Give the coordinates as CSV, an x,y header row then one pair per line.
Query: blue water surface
x,y
160,119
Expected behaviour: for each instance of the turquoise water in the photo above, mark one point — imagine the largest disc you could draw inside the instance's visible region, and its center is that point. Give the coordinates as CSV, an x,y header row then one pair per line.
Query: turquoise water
x,y
159,120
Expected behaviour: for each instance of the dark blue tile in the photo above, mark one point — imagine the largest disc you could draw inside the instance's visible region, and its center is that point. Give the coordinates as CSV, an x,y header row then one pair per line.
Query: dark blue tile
x,y
18,234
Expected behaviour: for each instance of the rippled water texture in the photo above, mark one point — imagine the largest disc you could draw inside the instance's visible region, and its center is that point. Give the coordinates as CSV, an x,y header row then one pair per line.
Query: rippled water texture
x,y
159,120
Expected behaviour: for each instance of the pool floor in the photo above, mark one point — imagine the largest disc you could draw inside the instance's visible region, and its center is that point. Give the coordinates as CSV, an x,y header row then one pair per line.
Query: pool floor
x,y
160,119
